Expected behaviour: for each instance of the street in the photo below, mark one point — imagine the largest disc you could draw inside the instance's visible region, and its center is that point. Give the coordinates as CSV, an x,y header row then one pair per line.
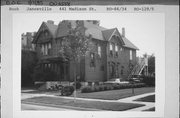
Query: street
x,y
39,107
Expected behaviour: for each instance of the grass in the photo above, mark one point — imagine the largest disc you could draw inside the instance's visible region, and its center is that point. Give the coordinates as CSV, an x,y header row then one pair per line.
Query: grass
x,y
59,102
115,94
150,98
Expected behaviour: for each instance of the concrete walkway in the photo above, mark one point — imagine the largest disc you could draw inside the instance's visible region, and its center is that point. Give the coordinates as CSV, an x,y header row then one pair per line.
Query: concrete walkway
x,y
124,100
148,105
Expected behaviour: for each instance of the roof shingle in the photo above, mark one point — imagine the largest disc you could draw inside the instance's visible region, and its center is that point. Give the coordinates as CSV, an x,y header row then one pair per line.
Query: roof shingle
x,y
96,31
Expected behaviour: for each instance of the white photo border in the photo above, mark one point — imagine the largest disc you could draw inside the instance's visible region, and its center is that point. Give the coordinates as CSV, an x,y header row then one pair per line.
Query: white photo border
x,y
159,90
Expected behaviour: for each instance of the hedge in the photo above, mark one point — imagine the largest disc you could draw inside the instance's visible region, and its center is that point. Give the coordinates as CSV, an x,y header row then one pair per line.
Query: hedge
x,y
67,90
96,88
148,80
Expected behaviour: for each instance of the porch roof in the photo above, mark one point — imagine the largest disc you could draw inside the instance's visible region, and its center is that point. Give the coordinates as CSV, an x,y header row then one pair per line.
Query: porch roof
x,y
54,59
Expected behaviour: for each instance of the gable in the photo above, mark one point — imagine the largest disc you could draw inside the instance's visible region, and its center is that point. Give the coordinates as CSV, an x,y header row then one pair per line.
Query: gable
x,y
52,28
116,36
43,35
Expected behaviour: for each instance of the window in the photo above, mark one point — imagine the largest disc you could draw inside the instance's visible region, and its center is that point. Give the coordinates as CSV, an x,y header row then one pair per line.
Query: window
x,y
117,69
130,54
121,49
99,51
42,49
92,59
112,70
46,33
122,70
110,46
102,68
49,65
111,49
49,46
45,48
116,50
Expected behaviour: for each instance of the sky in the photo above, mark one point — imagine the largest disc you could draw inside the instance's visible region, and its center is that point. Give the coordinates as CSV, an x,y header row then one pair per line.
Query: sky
x,y
145,30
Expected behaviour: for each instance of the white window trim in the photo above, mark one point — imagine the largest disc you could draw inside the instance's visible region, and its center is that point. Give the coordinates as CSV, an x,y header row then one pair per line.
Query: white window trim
x,y
110,46
99,50
130,54
116,48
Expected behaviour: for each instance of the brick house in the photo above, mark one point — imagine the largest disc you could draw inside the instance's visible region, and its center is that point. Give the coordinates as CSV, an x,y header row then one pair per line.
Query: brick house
x,y
112,56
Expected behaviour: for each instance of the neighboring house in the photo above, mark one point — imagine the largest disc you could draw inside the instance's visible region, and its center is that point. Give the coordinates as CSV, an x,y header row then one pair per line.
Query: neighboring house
x,y
112,56
27,41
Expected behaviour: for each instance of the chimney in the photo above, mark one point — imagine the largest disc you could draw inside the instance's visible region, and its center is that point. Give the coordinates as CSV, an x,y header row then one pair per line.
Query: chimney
x,y
50,22
123,32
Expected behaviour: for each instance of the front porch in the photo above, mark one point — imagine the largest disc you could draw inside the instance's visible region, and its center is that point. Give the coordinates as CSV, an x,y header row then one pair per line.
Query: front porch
x,y
59,66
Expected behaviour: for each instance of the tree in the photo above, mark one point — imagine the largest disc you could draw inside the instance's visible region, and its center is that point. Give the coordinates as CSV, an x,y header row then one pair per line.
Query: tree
x,y
151,64
28,62
74,47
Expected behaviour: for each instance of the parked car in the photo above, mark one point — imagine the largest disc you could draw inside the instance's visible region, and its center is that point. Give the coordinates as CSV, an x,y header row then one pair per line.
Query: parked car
x,y
136,78
115,81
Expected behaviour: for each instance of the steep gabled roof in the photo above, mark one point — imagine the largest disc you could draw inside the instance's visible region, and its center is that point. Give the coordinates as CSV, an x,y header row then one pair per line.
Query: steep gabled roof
x,y
52,28
49,26
129,44
96,31
108,33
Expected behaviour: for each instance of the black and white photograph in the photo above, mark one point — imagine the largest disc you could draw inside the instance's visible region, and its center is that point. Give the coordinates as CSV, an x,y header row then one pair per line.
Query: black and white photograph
x,y
89,59
101,64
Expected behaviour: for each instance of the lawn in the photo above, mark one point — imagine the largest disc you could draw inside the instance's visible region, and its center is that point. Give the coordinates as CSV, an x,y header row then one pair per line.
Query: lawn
x,y
60,102
150,98
115,94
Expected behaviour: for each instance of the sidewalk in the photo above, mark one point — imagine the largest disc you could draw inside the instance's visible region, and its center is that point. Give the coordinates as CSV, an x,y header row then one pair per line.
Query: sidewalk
x,y
148,105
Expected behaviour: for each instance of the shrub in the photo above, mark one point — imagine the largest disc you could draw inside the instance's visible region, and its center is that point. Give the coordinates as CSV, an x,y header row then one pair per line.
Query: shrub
x,y
101,88
105,87
28,63
149,81
78,85
115,87
67,90
97,88
86,89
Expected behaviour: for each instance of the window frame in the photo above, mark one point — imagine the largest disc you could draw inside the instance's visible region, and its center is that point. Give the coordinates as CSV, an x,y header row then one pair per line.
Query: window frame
x,y
92,59
99,51
130,55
